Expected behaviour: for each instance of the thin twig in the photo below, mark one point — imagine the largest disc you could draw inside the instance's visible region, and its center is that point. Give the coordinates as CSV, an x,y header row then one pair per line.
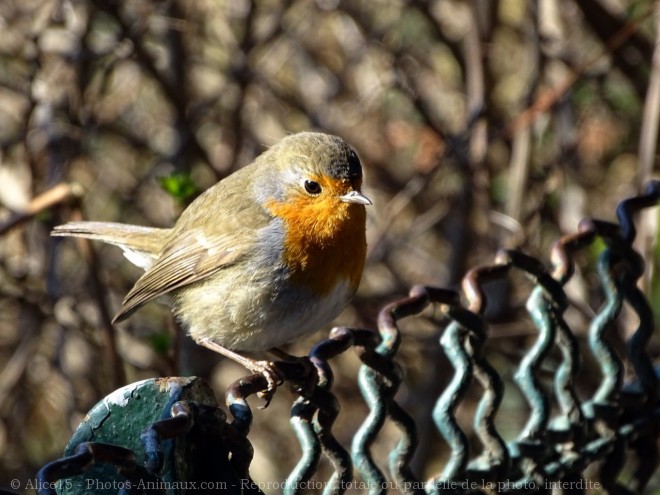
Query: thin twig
x,y
15,366
56,195
548,98
648,142
98,293
174,94
522,141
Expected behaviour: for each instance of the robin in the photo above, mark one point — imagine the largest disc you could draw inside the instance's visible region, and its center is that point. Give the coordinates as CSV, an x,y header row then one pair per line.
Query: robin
x,y
270,253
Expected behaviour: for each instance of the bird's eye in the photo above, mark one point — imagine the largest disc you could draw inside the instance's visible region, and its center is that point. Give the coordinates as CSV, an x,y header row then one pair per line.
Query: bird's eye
x,y
312,187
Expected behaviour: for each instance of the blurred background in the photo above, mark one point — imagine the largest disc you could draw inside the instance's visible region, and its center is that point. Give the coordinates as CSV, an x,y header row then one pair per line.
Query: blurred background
x,y
480,124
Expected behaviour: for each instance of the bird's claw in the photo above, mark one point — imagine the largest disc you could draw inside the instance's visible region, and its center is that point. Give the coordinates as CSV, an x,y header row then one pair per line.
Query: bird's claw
x,y
273,376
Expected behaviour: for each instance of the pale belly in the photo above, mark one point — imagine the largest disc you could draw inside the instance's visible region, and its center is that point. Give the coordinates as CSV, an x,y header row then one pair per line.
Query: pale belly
x,y
253,318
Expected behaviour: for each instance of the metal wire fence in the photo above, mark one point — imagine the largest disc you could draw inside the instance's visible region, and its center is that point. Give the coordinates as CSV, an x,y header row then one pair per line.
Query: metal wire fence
x,y
189,443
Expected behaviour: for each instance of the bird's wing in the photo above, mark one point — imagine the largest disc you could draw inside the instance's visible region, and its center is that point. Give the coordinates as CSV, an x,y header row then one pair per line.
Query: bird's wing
x,y
188,258
218,229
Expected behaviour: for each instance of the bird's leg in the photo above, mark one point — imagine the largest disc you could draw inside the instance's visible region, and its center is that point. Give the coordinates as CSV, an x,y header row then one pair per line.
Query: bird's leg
x,y
272,375
285,356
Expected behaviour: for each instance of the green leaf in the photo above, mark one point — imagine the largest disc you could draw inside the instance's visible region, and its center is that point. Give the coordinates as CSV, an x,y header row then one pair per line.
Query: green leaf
x,y
161,343
180,186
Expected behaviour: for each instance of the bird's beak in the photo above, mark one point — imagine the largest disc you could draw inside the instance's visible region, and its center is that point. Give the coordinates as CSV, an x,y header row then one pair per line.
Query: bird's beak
x,y
355,197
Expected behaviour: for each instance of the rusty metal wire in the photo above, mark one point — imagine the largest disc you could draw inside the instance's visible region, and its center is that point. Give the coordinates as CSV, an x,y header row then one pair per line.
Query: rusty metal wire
x,y
552,447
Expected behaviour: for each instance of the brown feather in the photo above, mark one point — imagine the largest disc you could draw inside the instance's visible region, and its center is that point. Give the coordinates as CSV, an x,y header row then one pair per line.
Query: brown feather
x,y
188,259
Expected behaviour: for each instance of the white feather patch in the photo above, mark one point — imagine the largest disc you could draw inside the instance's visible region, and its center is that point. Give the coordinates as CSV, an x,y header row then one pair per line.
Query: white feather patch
x,y
138,258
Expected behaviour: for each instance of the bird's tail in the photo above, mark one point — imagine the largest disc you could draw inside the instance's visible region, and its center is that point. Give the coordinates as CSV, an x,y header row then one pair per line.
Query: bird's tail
x,y
141,245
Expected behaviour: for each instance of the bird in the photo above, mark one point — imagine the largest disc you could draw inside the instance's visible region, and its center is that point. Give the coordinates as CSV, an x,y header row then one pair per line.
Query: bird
x,y
270,253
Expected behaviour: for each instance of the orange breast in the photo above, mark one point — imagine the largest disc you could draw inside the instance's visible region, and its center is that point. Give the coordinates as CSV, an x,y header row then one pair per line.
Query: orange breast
x,y
325,241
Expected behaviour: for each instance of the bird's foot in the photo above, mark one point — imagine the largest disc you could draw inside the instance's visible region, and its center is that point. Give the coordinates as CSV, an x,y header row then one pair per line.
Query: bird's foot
x,y
268,369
